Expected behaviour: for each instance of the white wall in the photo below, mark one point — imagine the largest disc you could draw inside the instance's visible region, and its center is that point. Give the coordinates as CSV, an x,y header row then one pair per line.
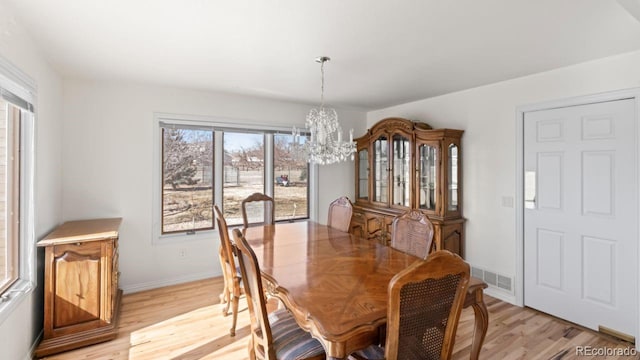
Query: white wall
x,y
487,114
19,331
108,151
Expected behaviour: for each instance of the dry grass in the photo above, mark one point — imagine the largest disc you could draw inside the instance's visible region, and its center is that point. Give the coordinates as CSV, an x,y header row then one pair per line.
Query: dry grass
x,y
191,206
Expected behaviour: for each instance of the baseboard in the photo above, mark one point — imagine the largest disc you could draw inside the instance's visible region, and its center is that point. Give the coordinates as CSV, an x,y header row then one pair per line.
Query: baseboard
x,y
128,289
32,350
500,294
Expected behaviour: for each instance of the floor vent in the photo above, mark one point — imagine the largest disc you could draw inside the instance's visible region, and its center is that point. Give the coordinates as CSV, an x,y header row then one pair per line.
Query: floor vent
x,y
493,279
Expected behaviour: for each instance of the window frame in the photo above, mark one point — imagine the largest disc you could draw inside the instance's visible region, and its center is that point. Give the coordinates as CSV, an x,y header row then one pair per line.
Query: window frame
x,y
219,125
19,86
13,192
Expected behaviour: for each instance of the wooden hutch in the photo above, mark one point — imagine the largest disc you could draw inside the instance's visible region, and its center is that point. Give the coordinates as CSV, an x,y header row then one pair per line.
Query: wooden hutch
x,y
81,293
402,165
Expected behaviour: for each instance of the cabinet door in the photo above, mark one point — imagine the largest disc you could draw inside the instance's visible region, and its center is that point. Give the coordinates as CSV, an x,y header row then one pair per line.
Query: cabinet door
x,y
401,169
427,183
362,167
449,236
453,196
76,290
381,170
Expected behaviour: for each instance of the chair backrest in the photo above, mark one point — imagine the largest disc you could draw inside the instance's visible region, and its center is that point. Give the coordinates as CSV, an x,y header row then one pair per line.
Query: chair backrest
x,y
340,211
225,244
262,339
412,233
425,301
269,208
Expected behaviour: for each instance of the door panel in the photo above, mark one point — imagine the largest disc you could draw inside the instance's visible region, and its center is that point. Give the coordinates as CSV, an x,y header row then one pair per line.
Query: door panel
x,y
550,167
550,253
581,237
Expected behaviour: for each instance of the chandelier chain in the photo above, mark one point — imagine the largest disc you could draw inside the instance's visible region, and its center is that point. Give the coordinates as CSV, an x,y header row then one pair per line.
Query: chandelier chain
x,y
322,83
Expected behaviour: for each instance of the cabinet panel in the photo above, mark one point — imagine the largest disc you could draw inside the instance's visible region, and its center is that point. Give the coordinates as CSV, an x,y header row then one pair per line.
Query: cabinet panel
x,y
449,236
401,149
372,226
381,170
77,286
453,176
363,175
427,182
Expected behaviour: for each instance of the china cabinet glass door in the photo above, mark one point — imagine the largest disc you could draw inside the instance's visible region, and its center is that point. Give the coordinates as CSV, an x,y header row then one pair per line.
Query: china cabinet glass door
x,y
380,170
427,177
453,178
401,168
363,174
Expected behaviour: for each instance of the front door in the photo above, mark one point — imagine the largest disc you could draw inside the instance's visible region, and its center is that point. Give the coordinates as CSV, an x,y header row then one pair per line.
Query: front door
x,y
581,214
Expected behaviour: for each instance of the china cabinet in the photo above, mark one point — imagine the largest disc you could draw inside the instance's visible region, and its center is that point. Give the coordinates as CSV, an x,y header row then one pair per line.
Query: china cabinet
x,y
402,165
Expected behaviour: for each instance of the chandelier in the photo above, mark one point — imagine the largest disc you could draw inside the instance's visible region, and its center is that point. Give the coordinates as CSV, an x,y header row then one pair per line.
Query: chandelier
x,y
325,145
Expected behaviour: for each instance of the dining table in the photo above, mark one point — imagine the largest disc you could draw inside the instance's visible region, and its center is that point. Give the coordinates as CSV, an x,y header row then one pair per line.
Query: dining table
x,y
335,283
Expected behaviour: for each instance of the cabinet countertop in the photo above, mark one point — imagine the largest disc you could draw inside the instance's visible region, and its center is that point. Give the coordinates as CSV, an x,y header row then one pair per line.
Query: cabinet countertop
x,y
82,230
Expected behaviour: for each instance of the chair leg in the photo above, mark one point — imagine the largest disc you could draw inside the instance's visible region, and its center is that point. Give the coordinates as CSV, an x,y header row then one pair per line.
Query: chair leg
x,y
224,295
252,351
225,311
236,300
234,312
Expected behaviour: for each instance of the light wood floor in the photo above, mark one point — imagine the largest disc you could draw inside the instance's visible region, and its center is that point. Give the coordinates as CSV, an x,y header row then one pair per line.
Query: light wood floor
x,y
185,322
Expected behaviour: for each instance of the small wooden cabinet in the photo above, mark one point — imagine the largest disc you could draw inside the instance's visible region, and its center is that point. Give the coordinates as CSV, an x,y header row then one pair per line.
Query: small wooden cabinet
x,y
402,165
81,295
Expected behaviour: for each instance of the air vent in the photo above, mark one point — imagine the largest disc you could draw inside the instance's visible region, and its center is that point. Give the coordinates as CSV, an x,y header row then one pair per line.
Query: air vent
x,y
493,279
504,282
490,278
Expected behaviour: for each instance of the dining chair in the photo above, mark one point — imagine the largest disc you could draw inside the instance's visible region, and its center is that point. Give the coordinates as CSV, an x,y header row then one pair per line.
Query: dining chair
x,y
276,335
233,288
268,204
340,211
425,301
412,233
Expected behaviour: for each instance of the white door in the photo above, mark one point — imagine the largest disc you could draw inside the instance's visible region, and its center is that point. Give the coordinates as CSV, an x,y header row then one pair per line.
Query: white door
x,y
581,217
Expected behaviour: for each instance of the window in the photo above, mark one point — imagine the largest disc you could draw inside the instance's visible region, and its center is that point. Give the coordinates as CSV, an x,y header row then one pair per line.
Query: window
x,y
187,179
291,192
205,162
9,193
243,174
17,239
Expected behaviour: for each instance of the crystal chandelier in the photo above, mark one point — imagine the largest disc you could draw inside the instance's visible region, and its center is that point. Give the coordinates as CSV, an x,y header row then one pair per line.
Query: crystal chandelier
x,y
325,145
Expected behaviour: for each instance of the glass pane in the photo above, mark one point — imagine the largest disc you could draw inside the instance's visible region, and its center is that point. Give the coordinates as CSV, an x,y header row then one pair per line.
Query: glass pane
x,y
453,178
428,180
363,174
187,169
401,158
380,173
10,194
291,172
529,189
243,175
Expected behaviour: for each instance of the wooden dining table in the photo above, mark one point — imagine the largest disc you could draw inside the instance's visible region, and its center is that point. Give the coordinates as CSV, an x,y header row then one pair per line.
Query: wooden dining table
x,y
335,283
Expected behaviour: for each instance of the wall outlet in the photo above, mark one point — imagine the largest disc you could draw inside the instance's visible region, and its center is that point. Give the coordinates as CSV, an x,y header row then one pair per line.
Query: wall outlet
x,y
182,252
507,201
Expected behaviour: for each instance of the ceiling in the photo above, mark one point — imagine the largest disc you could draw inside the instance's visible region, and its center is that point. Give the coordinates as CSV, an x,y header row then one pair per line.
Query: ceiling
x,y
383,53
